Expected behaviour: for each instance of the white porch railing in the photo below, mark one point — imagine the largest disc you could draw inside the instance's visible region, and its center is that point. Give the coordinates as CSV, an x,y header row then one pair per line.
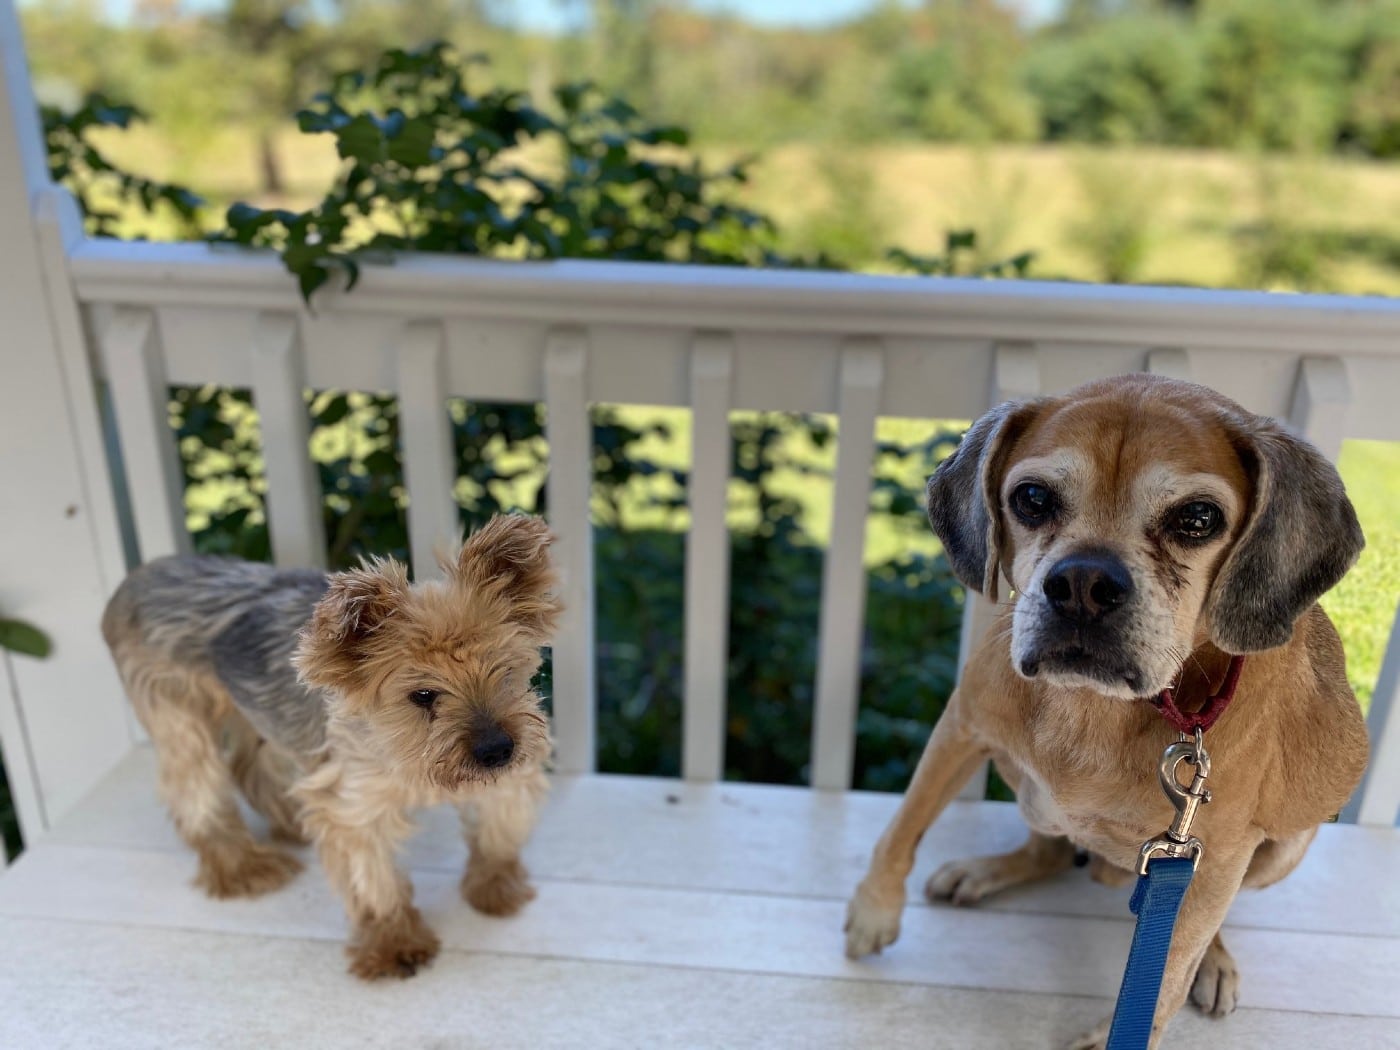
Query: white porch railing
x,y
144,316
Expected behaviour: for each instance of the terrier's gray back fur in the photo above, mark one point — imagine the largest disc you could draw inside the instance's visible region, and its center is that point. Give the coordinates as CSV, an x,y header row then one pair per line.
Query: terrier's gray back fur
x,y
240,619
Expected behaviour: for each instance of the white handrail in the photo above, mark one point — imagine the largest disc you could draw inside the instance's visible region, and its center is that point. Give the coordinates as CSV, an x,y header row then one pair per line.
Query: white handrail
x,y
810,301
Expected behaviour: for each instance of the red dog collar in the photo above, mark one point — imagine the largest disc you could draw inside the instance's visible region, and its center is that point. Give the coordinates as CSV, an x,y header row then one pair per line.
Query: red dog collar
x,y
1212,709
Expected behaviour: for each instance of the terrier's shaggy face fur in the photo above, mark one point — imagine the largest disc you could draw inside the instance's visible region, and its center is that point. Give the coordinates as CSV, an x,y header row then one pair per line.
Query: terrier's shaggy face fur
x,y
435,679
338,703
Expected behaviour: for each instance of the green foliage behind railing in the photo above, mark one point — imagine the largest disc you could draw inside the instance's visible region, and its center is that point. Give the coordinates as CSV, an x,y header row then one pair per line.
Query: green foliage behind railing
x,y
17,636
110,196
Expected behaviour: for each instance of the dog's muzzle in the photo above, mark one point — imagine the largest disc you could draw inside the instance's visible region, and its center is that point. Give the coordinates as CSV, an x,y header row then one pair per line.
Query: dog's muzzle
x,y
1082,636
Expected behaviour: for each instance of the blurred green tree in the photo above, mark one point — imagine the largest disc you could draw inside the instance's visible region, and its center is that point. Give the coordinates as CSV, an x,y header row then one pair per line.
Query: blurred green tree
x,y
964,83
1120,80
1275,73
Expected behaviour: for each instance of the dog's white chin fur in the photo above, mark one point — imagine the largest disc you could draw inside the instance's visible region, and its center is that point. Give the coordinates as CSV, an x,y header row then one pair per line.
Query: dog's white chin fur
x,y
1154,665
1074,680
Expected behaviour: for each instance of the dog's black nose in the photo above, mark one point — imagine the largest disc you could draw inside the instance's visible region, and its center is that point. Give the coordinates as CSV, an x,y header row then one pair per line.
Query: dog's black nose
x,y
493,748
1086,586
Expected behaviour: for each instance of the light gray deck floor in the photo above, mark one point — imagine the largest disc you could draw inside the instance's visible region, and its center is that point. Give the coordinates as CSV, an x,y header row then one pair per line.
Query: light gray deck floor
x,y
669,916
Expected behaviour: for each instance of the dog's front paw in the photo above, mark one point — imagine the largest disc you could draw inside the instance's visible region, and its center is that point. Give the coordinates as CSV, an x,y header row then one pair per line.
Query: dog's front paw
x,y
872,920
497,889
1216,990
393,947
244,869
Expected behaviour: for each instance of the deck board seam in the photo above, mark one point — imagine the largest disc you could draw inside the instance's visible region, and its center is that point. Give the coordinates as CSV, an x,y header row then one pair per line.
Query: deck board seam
x,y
684,968
915,901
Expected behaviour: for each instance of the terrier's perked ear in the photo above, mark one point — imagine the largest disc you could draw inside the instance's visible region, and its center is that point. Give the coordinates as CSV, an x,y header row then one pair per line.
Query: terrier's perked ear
x,y
343,628
507,560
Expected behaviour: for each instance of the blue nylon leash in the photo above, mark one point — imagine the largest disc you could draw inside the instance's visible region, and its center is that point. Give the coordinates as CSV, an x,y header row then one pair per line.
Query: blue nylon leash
x,y
1155,902
1167,863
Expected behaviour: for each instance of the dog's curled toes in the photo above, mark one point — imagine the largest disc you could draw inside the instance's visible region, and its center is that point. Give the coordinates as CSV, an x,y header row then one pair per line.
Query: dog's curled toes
x,y
395,946
244,870
1216,989
972,879
497,889
872,920
965,882
1094,1039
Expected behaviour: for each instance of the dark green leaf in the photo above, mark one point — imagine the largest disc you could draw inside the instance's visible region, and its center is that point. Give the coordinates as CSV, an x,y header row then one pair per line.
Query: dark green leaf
x,y
959,239
310,278
361,139
412,143
21,637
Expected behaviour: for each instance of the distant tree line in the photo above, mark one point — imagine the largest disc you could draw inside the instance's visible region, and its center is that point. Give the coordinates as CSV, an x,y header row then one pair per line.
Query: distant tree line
x,y
1315,75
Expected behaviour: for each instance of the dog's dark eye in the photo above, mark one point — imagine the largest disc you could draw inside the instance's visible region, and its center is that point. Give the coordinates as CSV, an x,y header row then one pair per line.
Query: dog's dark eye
x,y
424,697
1032,503
1197,520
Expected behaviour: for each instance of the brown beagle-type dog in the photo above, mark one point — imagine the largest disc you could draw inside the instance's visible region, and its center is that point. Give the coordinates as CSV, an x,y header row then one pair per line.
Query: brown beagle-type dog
x,y
1148,529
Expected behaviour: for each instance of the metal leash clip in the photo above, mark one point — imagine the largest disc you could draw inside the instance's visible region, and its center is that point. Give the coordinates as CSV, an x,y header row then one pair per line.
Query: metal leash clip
x,y
1178,840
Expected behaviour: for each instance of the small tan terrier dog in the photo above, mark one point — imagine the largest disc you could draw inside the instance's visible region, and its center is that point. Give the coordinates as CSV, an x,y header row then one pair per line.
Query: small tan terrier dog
x,y
336,703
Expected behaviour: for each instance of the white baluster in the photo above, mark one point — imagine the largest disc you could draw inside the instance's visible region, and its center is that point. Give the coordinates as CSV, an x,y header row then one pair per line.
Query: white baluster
x,y
428,464
707,558
843,573
141,394
1171,362
1377,800
294,516
1321,400
570,485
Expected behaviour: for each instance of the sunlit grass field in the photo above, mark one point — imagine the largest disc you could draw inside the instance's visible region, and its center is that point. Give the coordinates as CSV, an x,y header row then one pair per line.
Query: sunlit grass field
x,y
1140,215
1165,217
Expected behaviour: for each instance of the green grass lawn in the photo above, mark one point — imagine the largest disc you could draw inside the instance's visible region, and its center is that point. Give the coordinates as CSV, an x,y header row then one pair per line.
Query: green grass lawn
x,y
1363,605
1135,215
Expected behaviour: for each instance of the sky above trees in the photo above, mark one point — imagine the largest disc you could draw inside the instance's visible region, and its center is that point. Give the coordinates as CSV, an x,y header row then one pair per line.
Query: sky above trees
x,y
561,15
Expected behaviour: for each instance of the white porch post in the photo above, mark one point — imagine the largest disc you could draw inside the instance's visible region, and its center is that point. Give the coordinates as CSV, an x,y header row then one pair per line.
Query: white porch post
x,y
62,725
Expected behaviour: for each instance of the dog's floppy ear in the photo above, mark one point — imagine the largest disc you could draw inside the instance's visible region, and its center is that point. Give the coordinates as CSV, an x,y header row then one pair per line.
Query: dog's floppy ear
x,y
1300,538
341,631
964,495
508,558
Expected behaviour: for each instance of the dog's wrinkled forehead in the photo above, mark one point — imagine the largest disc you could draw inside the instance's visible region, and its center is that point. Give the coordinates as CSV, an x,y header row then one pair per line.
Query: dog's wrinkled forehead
x,y
1117,457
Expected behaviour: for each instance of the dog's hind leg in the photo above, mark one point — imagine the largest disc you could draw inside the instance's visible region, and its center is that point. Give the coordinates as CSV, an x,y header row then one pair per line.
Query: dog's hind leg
x,y
181,710
969,881
265,775
1275,858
